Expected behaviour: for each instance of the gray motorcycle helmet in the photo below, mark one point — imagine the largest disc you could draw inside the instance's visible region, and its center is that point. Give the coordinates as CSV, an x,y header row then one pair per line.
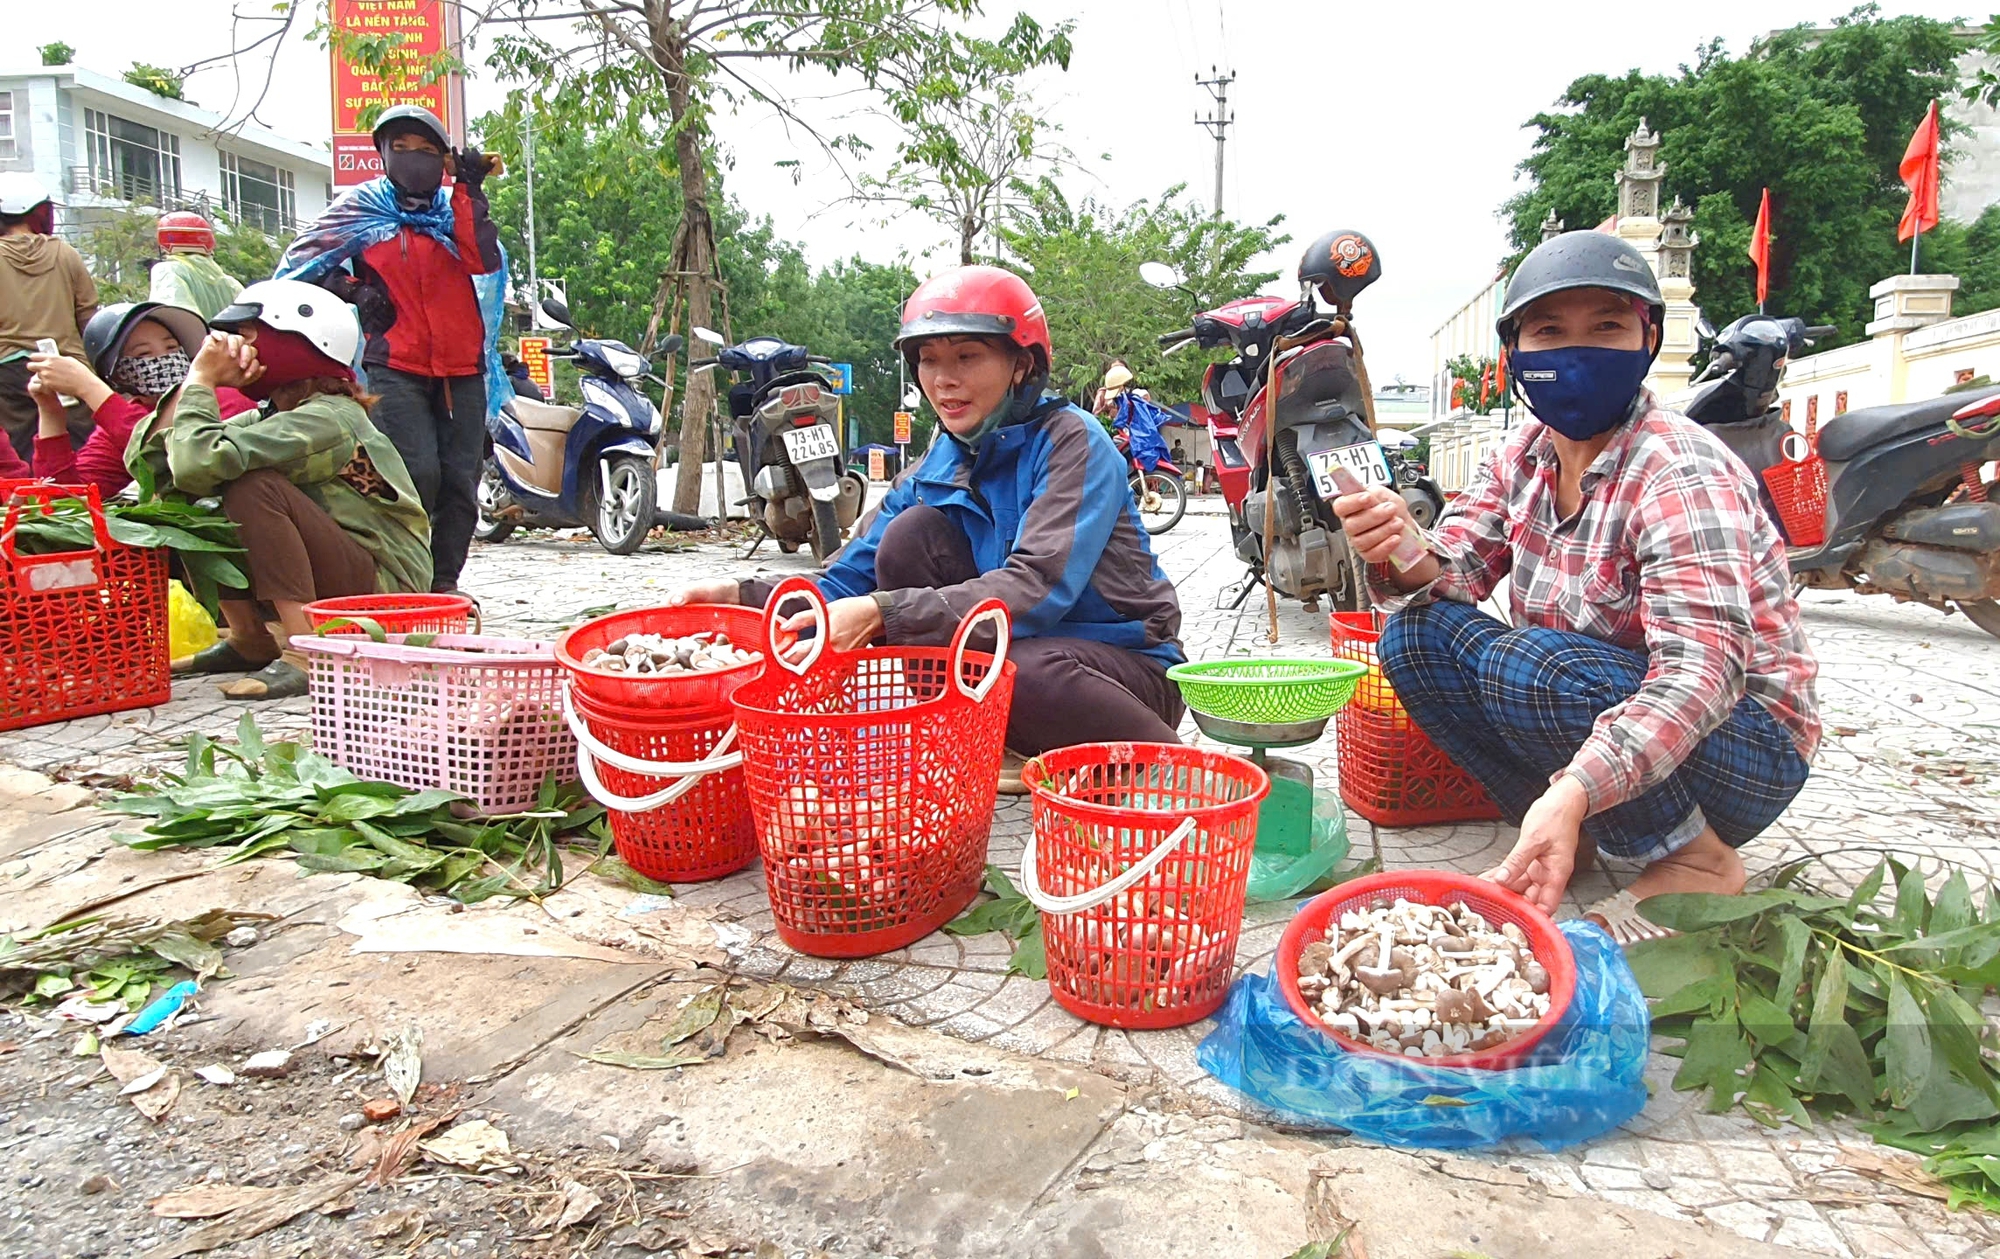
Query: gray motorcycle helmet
x,y
1579,260
409,118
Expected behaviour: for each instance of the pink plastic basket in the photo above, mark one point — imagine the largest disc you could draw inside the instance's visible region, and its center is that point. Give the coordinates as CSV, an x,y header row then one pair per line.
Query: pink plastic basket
x,y
475,715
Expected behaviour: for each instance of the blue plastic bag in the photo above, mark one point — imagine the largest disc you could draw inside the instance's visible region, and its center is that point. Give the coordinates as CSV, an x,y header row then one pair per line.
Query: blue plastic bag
x,y
1586,1078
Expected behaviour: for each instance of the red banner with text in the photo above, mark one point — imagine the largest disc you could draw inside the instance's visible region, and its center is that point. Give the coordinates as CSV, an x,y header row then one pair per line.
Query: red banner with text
x,y
406,38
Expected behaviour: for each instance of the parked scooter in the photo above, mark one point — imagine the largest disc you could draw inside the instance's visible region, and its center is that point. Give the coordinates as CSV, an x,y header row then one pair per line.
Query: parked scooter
x,y
785,418
1908,509
559,467
1280,484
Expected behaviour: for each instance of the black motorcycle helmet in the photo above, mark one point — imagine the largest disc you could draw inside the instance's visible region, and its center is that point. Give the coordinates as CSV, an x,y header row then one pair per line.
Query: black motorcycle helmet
x,y
104,336
1580,260
1340,264
411,118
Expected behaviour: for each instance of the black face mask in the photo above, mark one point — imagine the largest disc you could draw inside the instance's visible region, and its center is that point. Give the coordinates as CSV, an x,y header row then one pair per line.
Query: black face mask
x,y
415,172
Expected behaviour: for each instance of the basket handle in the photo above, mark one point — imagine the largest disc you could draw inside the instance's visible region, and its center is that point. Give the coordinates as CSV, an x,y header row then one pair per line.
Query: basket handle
x,y
1031,883
59,572
690,773
1003,629
804,589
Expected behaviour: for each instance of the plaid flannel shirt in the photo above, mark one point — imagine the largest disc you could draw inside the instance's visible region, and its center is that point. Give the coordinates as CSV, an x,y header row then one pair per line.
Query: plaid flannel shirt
x,y
1670,555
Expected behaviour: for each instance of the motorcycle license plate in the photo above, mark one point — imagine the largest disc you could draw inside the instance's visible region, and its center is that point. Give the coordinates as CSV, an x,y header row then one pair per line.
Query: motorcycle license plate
x,y
1365,460
807,444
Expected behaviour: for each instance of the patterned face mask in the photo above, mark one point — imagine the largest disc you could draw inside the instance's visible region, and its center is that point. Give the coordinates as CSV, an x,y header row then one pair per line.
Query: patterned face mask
x,y
150,377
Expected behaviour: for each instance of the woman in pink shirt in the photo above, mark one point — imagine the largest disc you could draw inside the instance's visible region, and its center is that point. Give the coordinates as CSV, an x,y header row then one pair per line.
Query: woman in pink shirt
x,y
139,352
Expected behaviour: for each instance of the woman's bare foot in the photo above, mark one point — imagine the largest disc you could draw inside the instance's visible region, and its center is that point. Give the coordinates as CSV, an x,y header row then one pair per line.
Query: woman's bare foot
x,y
1705,865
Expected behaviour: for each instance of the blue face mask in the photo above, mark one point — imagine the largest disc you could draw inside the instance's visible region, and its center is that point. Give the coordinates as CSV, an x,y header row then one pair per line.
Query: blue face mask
x,y
1580,391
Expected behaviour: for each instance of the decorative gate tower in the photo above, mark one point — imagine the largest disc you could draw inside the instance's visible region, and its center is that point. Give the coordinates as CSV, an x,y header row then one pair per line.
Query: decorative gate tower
x,y
1667,240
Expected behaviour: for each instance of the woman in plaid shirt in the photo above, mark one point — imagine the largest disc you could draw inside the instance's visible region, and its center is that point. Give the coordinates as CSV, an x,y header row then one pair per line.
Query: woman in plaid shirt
x,y
1655,697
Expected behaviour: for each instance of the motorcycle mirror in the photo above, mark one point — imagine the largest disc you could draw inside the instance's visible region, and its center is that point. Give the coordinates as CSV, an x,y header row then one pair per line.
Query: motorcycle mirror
x,y
671,345
912,399
1705,328
1160,275
708,335
558,310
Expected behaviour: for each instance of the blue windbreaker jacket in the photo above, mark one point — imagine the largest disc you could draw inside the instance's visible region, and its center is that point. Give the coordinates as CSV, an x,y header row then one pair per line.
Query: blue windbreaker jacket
x,y
1054,531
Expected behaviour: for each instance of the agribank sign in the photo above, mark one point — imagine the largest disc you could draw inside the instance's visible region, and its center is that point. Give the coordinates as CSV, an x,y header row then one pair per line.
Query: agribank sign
x,y
427,29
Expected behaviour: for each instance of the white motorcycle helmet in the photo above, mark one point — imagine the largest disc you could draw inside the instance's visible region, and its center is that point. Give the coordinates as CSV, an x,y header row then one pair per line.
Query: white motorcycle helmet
x,y
295,306
20,192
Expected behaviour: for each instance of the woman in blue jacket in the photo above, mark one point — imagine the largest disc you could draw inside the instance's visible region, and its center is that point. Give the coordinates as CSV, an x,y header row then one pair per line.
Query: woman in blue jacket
x,y
1025,501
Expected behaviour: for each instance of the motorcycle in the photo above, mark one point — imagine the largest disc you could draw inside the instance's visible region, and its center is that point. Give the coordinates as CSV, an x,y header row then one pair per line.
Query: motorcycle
x,y
1276,462
559,467
785,420
1158,484
1908,511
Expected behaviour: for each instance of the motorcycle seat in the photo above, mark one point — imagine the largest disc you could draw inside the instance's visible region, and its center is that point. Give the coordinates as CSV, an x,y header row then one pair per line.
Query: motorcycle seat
x,y
543,417
1847,435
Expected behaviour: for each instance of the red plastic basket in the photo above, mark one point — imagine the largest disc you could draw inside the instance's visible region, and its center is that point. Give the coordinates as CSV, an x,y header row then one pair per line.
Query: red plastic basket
x,y
871,777
81,632
1390,771
1175,825
691,692
412,613
1433,887
705,833
1798,490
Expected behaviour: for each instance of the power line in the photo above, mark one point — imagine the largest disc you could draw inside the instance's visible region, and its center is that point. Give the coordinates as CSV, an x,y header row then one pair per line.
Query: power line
x,y
1218,122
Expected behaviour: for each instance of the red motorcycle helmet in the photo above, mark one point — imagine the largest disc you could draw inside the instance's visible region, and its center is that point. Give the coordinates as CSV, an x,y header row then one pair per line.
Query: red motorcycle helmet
x,y
976,301
184,229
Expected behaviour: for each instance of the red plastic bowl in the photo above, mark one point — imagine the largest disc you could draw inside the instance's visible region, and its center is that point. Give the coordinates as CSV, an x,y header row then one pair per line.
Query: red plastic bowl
x,y
409,613
1433,887
699,691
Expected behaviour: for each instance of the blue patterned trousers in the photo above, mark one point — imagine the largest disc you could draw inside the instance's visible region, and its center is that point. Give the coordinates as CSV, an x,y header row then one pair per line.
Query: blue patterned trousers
x,y
1512,706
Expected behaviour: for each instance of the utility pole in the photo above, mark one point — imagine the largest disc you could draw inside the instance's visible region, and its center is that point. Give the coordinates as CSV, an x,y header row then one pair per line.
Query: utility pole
x,y
534,279
1218,122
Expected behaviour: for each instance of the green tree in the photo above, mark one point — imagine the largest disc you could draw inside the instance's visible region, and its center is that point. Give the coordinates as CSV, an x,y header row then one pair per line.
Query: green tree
x,y
607,206
1083,261
964,157
56,53
158,80
1818,115
676,61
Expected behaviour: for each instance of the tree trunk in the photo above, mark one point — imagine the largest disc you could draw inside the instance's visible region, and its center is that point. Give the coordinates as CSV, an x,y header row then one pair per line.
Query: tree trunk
x,y
696,262
968,236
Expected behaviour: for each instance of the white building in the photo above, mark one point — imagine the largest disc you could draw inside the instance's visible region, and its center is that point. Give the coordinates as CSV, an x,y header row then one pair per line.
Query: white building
x,y
101,145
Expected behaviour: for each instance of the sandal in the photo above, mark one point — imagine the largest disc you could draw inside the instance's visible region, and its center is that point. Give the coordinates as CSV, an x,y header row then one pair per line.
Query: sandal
x,y
1621,917
221,658
1011,763
280,679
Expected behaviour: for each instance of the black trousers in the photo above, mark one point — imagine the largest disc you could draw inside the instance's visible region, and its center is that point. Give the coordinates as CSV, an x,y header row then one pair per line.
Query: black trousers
x,y
19,418
439,427
1066,690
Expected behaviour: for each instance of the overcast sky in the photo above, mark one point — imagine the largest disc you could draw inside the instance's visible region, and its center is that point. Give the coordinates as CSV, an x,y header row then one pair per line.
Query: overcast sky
x,y
1401,120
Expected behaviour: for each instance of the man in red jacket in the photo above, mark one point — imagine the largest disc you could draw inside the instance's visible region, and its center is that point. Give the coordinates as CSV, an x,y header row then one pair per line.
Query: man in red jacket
x,y
425,338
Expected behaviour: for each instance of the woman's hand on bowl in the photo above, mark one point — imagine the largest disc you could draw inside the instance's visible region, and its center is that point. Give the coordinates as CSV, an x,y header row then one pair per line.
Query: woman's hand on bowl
x,y
710,590
1544,857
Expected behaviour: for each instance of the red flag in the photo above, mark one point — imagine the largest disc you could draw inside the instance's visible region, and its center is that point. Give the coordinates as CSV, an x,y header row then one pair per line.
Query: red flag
x,y
1760,248
1919,170
1485,384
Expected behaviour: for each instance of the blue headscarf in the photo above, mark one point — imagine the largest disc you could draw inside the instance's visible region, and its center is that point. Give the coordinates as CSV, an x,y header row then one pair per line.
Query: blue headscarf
x,y
370,213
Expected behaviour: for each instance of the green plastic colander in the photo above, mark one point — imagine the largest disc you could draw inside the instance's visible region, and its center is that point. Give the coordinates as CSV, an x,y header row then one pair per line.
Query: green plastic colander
x,y
1268,692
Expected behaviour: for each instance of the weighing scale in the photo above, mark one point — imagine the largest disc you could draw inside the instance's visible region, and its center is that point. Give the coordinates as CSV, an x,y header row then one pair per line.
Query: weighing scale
x,y
1301,830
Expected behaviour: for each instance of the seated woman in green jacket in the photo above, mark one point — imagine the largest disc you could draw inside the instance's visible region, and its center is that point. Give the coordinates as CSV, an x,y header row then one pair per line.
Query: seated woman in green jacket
x,y
321,499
